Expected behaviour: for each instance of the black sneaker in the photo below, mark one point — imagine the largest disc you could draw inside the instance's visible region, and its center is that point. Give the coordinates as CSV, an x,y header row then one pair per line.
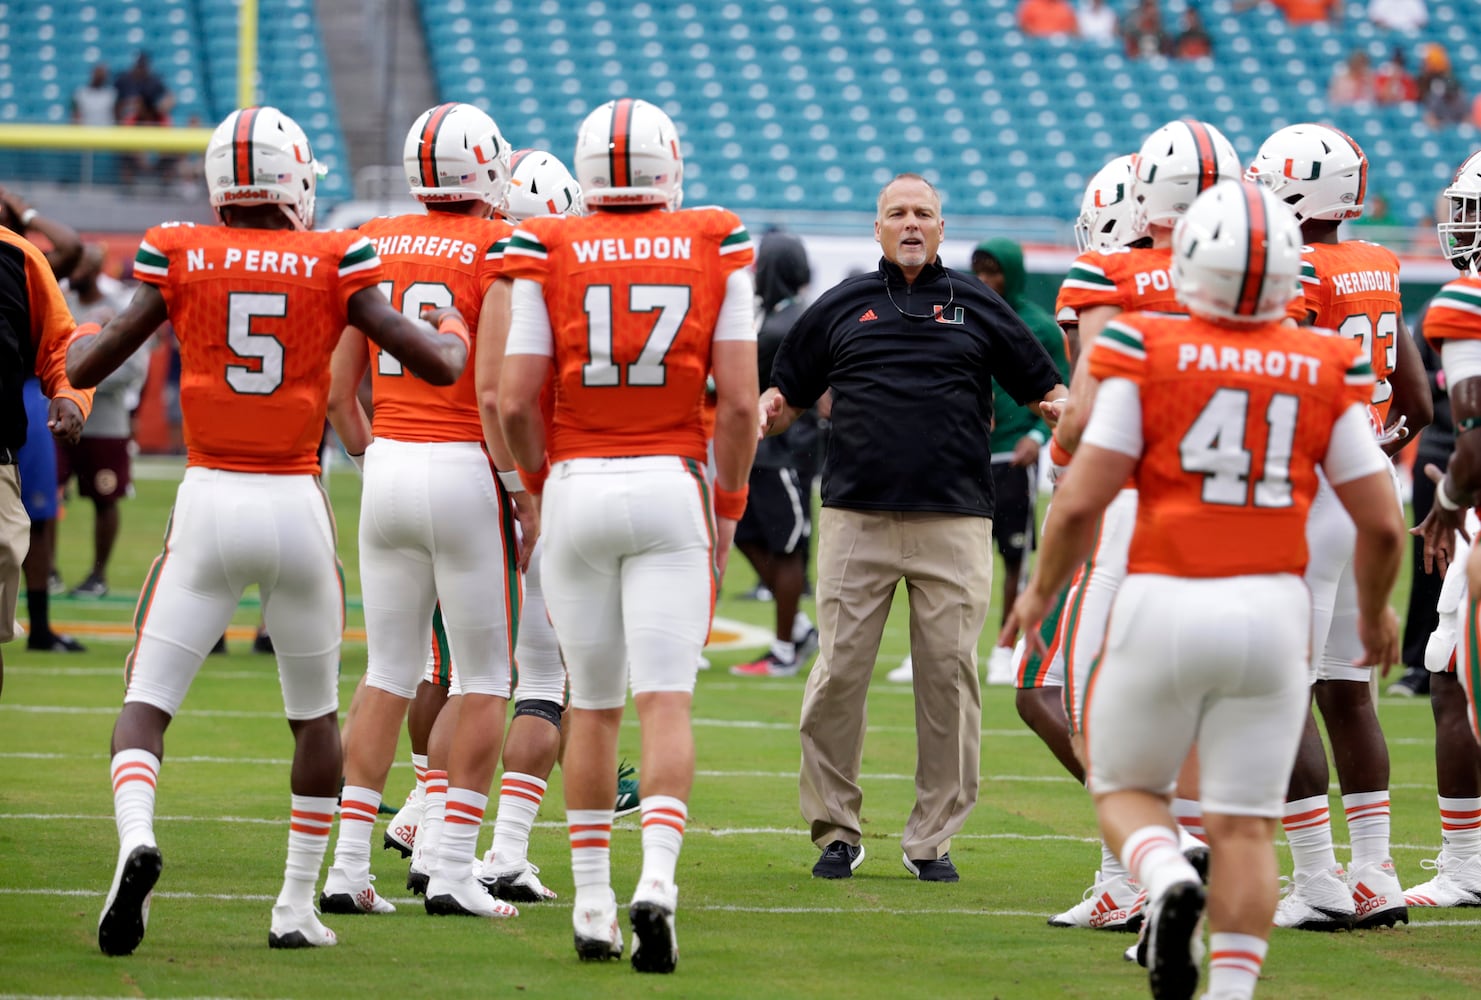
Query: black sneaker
x,y
220,648
54,642
932,869
839,860
1416,681
1172,957
262,643
92,587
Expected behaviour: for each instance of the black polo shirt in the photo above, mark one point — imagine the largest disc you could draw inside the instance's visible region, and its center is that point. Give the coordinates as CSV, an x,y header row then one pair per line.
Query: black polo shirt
x,y
911,368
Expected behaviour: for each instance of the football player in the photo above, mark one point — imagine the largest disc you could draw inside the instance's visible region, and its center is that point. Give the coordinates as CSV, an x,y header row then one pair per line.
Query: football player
x,y
1352,287
258,304
628,310
1222,419
1176,163
436,514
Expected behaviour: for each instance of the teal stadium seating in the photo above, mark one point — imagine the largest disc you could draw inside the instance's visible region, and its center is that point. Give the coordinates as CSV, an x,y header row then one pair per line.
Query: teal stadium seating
x,y
48,49
798,105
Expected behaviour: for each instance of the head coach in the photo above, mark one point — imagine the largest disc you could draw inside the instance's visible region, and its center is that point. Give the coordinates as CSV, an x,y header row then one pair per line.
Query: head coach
x,y
909,353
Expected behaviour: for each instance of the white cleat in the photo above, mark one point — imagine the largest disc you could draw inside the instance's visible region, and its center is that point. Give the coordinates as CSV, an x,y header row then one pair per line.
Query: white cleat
x,y
598,938
1114,904
1000,666
1316,901
401,832
904,673
341,895
293,928
655,943
463,897
518,883
1377,896
1454,884
126,910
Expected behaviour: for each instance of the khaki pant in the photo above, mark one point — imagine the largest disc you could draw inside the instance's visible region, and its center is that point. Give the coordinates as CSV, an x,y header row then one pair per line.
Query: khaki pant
x,y
15,542
946,562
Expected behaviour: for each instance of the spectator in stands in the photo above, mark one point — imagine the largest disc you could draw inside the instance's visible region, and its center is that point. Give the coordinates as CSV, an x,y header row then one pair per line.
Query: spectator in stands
x,y
1193,42
142,95
1399,15
1310,11
1097,21
1352,82
1476,111
1142,32
100,458
1393,83
1041,18
95,102
1439,91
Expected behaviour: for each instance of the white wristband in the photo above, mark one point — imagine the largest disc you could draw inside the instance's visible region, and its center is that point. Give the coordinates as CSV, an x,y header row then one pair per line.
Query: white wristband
x,y
1442,497
510,479
27,217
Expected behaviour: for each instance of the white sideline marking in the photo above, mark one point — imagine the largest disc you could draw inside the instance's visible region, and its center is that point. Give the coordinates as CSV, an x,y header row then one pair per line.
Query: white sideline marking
x,y
705,908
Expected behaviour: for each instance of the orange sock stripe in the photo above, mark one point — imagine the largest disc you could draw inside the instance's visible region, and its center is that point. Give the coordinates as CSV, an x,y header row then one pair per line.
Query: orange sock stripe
x,y
325,818
313,831
603,844
462,820
591,828
1140,853
1324,821
1457,814
516,793
514,784
1459,826
125,779
1323,813
665,811
463,812
1361,812
663,821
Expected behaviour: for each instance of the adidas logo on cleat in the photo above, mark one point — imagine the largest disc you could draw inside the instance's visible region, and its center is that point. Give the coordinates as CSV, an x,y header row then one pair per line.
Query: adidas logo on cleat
x,y
1107,913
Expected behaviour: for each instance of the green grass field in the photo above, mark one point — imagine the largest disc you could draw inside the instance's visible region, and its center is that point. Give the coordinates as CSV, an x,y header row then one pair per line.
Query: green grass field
x,y
752,921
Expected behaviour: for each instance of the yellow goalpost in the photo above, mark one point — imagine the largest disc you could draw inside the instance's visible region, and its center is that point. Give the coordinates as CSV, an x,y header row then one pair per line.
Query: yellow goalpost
x,y
144,138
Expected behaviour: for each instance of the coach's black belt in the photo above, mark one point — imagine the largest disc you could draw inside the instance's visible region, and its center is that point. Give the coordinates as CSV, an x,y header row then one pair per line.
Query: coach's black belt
x,y
8,456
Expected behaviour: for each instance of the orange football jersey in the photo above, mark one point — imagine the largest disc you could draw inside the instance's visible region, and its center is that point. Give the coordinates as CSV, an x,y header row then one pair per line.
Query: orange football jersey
x,y
257,313
1353,288
1133,279
1454,313
1234,424
633,301
436,259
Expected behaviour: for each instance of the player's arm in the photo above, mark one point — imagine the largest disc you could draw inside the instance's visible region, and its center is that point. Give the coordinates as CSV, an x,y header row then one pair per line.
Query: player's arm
x,y
90,357
1412,408
346,371
774,413
1082,390
493,337
435,354
51,330
66,245
522,377
733,366
1105,461
1358,472
1456,488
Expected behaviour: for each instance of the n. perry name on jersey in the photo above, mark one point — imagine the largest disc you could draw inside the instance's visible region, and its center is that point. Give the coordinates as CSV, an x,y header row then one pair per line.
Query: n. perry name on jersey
x,y
257,261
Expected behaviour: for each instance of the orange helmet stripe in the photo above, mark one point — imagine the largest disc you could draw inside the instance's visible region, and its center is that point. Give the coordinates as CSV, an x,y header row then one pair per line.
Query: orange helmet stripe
x,y
427,154
1257,253
622,114
242,172
1362,163
1208,159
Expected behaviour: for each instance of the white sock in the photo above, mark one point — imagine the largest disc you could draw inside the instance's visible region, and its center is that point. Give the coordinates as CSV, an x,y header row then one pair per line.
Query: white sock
x,y
1189,814
664,818
1234,963
1460,827
429,833
1367,826
419,765
591,856
519,803
1110,865
784,651
135,774
308,838
1151,855
357,811
1308,826
460,825
801,625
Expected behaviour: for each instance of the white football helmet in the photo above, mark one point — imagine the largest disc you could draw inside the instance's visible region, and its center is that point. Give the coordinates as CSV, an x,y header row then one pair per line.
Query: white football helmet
x,y
259,156
1317,170
540,184
1460,225
1176,164
455,152
1107,212
1236,254
627,153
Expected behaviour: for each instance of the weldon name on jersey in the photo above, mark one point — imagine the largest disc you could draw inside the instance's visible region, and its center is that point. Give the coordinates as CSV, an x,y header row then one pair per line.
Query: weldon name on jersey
x,y
642,248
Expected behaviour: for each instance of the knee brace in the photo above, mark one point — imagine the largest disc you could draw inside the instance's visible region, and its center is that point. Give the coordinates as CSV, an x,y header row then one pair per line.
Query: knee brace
x,y
540,709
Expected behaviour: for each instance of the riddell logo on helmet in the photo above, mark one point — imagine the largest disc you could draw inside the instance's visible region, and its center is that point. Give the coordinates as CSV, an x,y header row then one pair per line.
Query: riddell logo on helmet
x,y
247,195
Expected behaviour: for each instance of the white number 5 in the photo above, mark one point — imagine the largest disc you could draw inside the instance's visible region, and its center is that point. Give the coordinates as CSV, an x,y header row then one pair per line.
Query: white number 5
x,y
242,308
